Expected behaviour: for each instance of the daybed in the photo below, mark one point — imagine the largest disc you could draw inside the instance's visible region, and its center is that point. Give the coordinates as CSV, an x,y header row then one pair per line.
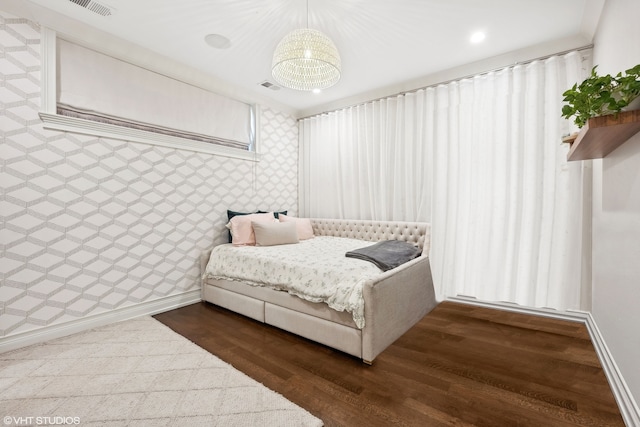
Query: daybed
x,y
394,300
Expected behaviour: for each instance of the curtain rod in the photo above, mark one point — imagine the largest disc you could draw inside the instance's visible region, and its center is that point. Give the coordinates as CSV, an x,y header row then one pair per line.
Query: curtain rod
x,y
468,76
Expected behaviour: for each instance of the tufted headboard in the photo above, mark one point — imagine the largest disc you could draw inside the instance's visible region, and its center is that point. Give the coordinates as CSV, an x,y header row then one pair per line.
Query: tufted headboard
x,y
418,233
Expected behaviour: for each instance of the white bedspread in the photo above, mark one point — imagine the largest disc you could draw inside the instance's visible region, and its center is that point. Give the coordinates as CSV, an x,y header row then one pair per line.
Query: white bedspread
x,y
315,270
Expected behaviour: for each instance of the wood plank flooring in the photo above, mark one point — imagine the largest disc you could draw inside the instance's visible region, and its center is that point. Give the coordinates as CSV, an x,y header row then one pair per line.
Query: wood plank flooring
x,y
460,365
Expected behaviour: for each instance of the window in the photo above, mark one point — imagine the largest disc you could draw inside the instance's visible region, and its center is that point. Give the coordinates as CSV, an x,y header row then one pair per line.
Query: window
x,y
89,92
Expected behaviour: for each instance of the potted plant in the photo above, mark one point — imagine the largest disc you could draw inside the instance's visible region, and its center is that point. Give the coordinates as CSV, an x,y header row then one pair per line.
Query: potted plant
x,y
601,95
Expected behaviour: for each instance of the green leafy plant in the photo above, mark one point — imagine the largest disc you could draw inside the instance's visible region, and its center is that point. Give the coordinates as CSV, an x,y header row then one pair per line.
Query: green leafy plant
x,y
601,95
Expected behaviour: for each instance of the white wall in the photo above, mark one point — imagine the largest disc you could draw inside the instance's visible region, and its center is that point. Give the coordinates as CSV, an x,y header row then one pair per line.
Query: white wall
x,y
90,225
616,207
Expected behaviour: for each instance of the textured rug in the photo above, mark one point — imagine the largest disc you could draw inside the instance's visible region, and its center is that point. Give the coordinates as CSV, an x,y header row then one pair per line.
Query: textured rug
x,y
134,373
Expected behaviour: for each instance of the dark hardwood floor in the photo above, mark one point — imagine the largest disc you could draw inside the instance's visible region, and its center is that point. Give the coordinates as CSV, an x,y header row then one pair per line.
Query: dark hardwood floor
x,y
460,365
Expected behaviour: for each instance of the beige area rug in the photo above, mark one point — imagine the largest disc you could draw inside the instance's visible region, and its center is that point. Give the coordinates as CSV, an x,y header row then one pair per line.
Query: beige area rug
x,y
134,373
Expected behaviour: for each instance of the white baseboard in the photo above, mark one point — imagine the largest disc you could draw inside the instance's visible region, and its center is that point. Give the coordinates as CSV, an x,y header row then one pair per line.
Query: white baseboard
x,y
627,405
149,308
572,316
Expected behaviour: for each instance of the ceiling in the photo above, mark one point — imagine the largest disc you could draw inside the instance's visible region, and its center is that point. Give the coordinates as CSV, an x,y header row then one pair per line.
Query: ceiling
x,y
386,46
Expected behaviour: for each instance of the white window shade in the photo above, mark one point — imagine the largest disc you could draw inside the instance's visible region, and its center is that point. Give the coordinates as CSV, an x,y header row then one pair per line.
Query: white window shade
x,y
98,87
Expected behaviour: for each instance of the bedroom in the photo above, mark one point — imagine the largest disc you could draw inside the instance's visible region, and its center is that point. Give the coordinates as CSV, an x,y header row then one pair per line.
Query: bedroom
x,y
156,253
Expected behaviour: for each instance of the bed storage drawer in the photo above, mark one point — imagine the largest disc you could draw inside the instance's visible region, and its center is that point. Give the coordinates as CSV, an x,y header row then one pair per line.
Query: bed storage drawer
x,y
244,305
338,336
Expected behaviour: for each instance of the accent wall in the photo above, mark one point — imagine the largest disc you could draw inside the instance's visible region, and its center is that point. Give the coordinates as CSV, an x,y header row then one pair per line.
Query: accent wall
x,y
89,225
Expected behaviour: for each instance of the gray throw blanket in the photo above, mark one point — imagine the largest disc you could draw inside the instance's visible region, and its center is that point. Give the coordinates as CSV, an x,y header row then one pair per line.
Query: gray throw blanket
x,y
387,254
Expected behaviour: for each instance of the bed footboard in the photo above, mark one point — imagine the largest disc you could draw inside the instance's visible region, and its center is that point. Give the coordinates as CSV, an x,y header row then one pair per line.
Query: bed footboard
x,y
394,303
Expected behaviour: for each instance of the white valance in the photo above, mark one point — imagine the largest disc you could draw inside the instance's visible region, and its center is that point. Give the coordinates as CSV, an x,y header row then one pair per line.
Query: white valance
x,y
98,87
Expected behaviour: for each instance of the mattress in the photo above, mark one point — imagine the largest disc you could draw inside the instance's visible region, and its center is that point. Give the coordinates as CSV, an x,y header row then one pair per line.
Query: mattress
x,y
315,270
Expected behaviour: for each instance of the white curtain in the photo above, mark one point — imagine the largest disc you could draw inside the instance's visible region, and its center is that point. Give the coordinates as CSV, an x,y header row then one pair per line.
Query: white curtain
x,y
479,158
368,162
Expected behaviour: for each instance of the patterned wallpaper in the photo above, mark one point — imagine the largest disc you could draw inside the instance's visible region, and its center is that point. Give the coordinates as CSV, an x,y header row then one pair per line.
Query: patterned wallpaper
x,y
91,224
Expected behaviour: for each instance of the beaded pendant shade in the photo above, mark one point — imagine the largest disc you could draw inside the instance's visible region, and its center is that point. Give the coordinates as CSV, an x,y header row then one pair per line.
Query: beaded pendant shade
x,y
306,59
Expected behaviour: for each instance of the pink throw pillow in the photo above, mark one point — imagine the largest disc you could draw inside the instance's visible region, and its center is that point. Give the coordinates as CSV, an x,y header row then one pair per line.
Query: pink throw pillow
x,y
241,230
303,226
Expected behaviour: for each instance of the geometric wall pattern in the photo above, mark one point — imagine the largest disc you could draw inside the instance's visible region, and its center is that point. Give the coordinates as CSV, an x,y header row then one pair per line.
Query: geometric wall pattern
x,y
90,224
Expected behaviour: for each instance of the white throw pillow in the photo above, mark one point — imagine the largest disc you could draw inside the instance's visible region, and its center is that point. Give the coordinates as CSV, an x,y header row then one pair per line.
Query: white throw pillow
x,y
275,233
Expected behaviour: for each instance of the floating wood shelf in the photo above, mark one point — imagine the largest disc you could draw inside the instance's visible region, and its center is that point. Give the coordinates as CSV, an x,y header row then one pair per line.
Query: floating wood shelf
x,y
601,135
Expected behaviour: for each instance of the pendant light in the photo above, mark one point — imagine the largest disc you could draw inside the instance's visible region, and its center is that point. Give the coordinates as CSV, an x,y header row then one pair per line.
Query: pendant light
x,y
306,59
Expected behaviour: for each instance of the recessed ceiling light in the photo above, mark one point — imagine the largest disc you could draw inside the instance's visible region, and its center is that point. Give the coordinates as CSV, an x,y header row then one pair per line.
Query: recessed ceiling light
x,y
217,41
477,37
316,91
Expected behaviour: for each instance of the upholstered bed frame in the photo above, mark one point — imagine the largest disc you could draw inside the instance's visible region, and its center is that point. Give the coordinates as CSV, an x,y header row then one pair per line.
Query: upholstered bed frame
x,y
394,301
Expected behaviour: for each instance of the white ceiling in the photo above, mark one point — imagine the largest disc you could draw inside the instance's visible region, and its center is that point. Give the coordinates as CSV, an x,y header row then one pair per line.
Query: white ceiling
x,y
385,45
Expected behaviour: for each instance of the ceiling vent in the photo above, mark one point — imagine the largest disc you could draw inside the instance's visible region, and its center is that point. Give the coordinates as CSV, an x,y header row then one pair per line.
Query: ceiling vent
x,y
95,7
269,85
